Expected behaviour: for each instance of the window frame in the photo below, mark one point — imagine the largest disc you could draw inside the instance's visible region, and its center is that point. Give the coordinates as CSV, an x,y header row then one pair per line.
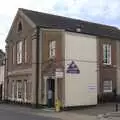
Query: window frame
x,y
52,49
19,99
19,52
25,90
13,54
25,51
107,54
19,26
111,83
13,90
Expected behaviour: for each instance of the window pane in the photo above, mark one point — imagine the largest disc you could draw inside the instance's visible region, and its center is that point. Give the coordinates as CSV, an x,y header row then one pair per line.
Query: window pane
x,y
107,53
19,89
107,86
52,48
19,52
25,50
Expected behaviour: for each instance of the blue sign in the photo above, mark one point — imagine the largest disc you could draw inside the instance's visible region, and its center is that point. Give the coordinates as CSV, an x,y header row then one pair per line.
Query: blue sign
x,y
73,69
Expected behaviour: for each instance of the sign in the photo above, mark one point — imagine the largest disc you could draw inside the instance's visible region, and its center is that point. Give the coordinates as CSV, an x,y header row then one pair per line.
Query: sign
x,y
73,69
92,87
59,73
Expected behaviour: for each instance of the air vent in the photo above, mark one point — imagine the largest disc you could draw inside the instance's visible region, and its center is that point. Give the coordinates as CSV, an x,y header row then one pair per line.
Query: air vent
x,y
78,30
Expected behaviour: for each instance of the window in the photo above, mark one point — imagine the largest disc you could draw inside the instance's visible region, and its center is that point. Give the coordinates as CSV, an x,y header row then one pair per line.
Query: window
x,y
107,86
13,88
19,90
25,51
13,54
107,54
19,52
52,49
19,26
25,90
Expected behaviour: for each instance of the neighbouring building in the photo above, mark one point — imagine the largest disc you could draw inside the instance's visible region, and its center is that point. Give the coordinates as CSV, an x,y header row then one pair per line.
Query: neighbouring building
x,y
2,67
78,60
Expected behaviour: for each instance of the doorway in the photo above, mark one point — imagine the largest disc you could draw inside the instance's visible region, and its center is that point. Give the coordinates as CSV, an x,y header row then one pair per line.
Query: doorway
x,y
51,86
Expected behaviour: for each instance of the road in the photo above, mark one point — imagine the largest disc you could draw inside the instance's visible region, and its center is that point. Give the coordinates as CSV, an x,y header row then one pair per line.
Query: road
x,y
11,112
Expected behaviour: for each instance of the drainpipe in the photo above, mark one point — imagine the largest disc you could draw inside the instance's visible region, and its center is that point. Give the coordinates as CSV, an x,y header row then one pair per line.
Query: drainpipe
x,y
37,66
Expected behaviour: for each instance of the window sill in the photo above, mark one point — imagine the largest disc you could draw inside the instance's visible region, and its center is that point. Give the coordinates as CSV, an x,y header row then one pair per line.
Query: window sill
x,y
51,58
19,63
19,99
107,64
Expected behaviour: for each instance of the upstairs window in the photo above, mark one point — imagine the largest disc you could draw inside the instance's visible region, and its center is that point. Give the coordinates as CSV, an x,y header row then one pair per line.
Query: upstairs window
x,y
52,49
25,51
19,27
107,54
13,54
19,52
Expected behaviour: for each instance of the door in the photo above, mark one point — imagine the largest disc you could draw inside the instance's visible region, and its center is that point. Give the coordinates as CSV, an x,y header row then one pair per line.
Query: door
x,y
51,86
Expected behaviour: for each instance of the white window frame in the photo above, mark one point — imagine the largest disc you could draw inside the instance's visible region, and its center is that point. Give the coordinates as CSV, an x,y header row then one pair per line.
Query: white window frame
x,y
13,54
19,52
19,99
107,54
52,49
110,83
26,59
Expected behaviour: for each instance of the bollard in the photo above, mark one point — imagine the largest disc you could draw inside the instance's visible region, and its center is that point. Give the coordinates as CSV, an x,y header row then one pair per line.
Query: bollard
x,y
116,107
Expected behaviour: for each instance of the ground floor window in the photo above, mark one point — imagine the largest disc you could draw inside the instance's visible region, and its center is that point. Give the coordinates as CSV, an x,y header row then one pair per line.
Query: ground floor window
x,y
107,86
13,89
25,90
19,90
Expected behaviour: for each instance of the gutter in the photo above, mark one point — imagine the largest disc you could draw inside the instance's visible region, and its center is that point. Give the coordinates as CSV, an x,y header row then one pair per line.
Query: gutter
x,y
37,66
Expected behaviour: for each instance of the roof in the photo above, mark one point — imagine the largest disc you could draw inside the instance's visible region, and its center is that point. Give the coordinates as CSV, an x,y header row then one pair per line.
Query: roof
x,y
59,22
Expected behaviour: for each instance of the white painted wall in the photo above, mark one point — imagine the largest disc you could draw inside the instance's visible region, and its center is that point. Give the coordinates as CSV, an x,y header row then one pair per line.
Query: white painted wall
x,y
82,49
118,66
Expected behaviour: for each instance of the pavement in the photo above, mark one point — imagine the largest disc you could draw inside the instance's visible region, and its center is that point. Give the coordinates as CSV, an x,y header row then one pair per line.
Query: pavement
x,y
100,112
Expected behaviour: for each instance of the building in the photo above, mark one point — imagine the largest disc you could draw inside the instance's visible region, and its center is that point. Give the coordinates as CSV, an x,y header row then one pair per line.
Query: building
x,y
78,60
2,67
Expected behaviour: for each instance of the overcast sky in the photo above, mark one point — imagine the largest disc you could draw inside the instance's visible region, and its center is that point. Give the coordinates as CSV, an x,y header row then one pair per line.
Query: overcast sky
x,y
101,11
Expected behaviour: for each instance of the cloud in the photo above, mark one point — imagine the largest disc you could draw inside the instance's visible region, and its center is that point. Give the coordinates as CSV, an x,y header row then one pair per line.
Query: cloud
x,y
107,9
102,11
8,9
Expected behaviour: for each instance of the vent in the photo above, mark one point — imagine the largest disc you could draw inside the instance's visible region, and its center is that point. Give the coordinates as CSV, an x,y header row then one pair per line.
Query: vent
x,y
78,30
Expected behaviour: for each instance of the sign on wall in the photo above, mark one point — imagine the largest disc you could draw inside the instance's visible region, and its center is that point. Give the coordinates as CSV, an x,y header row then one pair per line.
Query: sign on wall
x,y
92,87
73,68
59,73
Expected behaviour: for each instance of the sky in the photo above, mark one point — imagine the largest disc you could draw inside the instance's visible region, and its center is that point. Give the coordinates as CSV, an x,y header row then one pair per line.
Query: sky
x,y
100,11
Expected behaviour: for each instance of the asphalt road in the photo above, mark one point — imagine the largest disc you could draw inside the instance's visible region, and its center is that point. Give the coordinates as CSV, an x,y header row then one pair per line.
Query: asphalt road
x,y
15,113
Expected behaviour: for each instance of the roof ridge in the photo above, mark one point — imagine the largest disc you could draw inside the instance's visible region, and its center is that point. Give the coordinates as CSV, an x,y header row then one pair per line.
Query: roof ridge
x,y
55,15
